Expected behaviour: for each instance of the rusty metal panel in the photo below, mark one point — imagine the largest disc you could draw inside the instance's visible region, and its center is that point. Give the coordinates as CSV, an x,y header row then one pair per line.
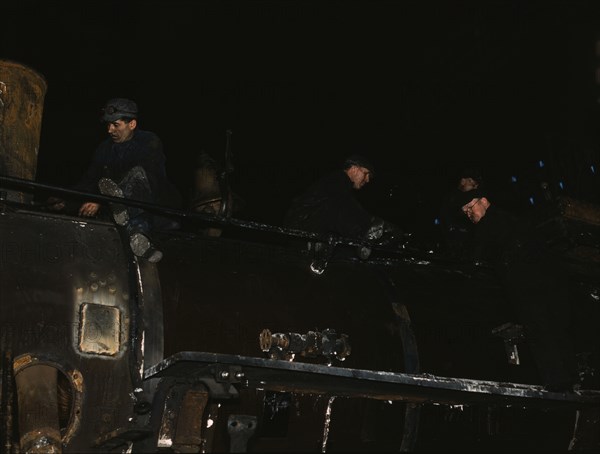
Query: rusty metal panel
x,y
189,421
22,92
100,328
67,300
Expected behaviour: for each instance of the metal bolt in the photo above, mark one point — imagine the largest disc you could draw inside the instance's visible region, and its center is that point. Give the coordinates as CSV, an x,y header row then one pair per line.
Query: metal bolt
x,y
239,375
224,374
94,287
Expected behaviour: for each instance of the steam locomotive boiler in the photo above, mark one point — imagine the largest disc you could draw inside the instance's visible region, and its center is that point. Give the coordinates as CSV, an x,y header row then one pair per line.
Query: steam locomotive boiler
x,y
252,341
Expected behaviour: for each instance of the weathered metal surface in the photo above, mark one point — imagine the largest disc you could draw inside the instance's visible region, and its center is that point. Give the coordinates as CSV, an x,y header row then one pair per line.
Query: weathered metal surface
x,y
182,418
217,294
99,328
52,268
190,419
22,92
301,377
327,344
512,335
240,428
38,409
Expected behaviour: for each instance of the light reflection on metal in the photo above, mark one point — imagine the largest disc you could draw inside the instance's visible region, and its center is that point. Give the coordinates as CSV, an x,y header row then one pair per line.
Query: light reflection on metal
x,y
512,335
312,344
317,267
38,409
327,422
99,329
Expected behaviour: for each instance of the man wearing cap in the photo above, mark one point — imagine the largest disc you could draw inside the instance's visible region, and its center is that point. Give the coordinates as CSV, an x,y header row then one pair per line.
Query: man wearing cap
x,y
130,164
534,281
454,226
329,206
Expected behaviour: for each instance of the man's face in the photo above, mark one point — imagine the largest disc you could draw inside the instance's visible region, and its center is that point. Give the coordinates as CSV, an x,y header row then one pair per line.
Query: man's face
x,y
476,209
467,184
359,176
121,131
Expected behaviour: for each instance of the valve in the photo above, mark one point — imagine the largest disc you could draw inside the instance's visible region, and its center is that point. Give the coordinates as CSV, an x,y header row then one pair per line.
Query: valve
x,y
313,344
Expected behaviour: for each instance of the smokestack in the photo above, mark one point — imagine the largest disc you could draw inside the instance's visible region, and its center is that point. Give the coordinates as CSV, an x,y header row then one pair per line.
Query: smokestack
x,y
22,92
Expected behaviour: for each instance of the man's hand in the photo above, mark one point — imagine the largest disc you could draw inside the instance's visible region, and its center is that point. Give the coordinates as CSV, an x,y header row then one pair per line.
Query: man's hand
x,y
89,209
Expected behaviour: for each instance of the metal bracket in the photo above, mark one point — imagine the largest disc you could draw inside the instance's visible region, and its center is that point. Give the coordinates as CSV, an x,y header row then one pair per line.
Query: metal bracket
x,y
512,335
240,429
181,423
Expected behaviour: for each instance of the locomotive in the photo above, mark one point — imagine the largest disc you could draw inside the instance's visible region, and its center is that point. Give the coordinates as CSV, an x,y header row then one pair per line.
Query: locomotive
x,y
251,338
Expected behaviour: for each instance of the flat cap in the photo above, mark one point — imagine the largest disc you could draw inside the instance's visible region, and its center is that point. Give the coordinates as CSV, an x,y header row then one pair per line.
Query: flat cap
x,y
118,108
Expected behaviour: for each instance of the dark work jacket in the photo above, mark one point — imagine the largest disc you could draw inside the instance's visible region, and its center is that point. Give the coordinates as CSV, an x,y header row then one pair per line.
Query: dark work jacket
x,y
501,239
115,160
455,226
535,284
329,206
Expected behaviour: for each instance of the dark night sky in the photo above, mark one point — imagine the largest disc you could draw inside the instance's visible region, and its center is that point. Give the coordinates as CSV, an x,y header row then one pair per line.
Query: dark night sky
x,y
422,87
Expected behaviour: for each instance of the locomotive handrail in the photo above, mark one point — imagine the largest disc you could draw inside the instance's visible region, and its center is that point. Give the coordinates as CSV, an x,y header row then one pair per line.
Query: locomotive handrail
x,y
163,210
408,256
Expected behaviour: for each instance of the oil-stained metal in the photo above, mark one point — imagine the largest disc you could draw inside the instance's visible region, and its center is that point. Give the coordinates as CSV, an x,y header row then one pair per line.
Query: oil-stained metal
x,y
46,266
76,394
22,92
188,435
512,335
243,280
38,409
182,416
240,429
99,329
120,437
327,343
314,378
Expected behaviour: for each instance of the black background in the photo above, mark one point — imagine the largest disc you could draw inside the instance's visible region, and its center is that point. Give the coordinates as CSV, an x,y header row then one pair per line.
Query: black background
x,y
423,88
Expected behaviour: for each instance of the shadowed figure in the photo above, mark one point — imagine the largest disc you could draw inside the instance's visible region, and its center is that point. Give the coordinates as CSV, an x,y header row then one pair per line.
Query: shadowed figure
x,y
211,194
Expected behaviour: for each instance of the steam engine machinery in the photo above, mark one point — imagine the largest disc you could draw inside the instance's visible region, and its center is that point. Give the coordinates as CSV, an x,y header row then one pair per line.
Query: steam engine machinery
x,y
238,342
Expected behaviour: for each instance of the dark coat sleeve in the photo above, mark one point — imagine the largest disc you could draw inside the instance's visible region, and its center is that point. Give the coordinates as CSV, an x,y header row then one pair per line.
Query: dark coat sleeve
x,y
329,206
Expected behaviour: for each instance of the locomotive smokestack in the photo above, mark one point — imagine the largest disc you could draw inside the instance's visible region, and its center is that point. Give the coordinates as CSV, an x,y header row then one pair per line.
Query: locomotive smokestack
x,y
22,92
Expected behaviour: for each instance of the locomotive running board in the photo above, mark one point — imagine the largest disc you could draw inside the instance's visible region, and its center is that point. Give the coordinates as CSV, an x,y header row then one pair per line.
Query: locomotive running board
x,y
225,371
